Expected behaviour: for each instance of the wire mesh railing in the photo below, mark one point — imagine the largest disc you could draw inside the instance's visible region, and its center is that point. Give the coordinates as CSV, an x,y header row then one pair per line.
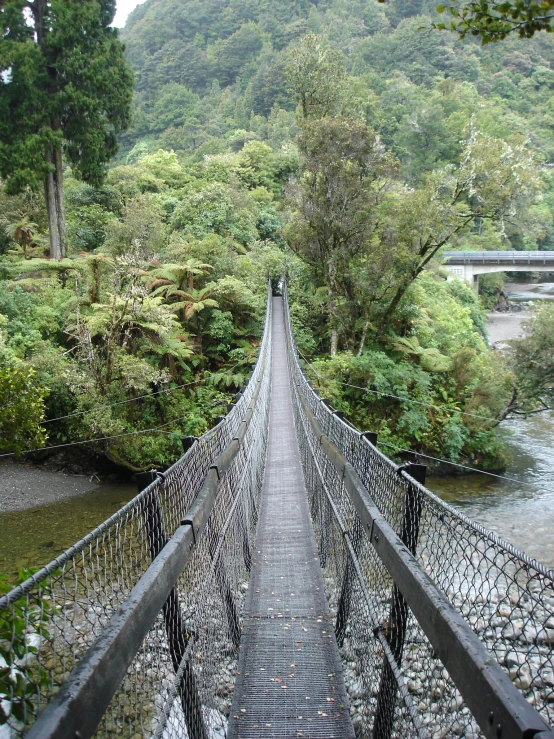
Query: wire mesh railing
x,y
196,521
395,655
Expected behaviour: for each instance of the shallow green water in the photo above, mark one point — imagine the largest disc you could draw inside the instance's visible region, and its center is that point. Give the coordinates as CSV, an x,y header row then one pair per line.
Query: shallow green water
x,y
33,537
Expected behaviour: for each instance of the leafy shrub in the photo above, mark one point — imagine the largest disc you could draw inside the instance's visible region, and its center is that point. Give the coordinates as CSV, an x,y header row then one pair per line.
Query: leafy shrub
x,y
21,410
23,627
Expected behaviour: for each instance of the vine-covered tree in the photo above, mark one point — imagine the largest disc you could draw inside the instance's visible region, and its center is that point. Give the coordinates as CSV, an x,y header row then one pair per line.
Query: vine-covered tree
x,y
64,85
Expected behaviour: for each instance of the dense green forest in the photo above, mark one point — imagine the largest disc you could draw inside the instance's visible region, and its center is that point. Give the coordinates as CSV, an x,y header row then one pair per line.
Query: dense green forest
x,y
342,142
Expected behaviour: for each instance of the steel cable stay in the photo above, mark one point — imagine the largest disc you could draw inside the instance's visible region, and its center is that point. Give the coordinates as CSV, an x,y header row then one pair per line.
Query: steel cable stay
x,y
148,625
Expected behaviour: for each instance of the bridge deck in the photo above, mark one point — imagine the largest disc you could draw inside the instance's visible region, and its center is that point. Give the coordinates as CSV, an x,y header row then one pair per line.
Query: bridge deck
x,y
290,681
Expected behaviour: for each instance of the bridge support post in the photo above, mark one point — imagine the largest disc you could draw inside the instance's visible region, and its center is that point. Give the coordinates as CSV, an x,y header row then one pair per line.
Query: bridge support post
x,y
395,628
343,609
243,526
325,508
174,627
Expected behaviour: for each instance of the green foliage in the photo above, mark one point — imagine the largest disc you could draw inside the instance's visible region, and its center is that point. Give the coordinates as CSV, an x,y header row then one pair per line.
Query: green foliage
x,y
316,76
216,209
408,141
149,308
66,59
426,391
64,83
21,410
346,174
141,222
494,20
490,288
533,364
23,626
431,359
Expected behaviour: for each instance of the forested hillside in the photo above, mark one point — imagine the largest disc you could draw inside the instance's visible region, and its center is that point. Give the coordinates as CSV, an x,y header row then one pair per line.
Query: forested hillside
x,y
211,75
342,142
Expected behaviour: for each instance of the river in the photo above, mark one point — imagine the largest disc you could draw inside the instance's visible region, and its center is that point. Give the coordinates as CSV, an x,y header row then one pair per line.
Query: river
x,y
32,536
520,512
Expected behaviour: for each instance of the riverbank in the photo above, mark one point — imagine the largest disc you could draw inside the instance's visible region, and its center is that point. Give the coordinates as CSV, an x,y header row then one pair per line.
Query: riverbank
x,y
502,327
34,531
24,486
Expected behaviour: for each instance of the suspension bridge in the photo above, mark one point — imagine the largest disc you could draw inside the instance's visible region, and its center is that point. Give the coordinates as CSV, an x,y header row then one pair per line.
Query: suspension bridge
x,y
283,579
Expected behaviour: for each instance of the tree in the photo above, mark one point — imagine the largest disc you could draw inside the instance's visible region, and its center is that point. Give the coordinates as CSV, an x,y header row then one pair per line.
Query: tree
x,y
177,281
24,234
64,85
533,365
495,181
346,173
316,76
495,20
115,339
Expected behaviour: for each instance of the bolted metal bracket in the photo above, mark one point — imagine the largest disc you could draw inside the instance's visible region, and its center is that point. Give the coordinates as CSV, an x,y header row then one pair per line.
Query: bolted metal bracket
x,y
417,471
190,522
370,436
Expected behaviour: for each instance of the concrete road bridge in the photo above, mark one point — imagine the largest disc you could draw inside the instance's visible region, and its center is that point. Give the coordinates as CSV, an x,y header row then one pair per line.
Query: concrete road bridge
x,y
283,579
468,265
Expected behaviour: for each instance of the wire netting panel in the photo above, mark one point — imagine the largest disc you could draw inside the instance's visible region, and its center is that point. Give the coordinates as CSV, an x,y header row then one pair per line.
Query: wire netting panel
x,y
48,622
396,683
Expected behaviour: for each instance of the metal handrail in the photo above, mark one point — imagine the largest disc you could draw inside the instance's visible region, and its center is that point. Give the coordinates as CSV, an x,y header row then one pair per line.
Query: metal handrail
x,y
498,257
485,687
82,701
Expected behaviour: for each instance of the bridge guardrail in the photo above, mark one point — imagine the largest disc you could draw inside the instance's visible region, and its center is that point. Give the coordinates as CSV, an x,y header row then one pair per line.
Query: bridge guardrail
x,y
499,257
137,625
412,584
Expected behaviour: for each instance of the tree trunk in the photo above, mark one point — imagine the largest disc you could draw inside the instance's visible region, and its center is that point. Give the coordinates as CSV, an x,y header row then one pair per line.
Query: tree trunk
x,y
334,341
60,207
393,305
362,341
53,190
332,306
53,184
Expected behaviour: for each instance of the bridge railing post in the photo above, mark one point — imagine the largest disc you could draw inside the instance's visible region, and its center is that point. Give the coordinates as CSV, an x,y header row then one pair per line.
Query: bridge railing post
x,y
225,591
176,632
345,598
395,627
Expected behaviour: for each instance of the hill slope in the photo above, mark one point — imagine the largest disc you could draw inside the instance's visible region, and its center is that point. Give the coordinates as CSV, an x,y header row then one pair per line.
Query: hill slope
x,y
210,74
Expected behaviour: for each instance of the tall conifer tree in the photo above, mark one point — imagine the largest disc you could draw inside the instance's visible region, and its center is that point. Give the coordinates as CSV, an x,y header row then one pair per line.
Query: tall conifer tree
x,y
64,85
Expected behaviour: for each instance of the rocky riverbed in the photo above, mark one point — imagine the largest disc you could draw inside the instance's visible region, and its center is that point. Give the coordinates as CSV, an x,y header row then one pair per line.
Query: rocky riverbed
x,y
512,612
502,327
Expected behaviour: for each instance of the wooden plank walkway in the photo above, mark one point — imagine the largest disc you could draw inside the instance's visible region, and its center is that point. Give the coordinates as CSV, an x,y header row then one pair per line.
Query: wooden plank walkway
x,y
290,681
